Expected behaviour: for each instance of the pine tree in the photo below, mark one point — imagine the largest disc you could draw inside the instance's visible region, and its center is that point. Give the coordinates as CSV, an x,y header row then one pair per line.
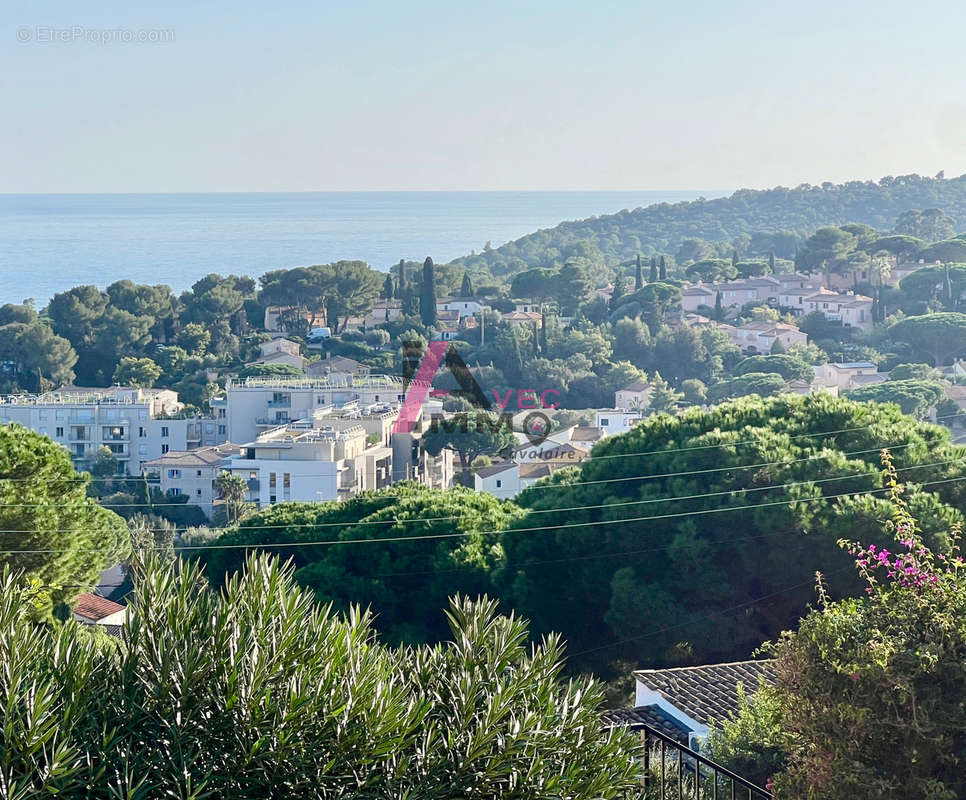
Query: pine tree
x,y
663,397
663,269
653,269
638,276
467,288
427,300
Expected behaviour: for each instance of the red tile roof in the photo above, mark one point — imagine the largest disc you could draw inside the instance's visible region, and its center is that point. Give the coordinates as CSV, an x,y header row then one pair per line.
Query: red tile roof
x,y
94,607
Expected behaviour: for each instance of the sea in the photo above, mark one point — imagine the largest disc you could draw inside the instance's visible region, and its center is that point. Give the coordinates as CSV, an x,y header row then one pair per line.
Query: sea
x,y
51,242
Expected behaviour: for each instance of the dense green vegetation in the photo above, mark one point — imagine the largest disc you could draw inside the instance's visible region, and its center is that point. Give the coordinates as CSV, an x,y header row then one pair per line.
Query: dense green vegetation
x,y
405,582
869,701
259,692
53,533
761,222
654,551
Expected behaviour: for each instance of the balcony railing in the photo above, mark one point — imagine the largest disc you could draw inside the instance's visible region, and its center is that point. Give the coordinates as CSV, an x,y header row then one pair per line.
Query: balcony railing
x,y
672,771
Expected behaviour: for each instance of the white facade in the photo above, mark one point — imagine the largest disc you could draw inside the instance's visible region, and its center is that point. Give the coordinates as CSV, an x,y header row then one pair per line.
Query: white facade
x,y
258,404
501,480
303,462
759,337
617,421
464,306
635,397
130,422
191,474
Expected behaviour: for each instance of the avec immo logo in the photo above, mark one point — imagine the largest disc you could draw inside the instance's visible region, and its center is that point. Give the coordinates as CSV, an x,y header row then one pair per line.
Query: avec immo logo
x,y
419,369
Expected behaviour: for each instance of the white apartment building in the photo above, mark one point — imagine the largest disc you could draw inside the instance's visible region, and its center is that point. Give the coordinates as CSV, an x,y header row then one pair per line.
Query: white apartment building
x,y
310,462
852,310
191,473
136,425
255,405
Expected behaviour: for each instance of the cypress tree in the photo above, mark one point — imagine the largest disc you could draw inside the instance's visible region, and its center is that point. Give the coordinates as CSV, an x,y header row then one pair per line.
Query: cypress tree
x,y
718,309
387,287
771,262
618,289
638,276
536,340
543,333
734,258
401,283
427,301
467,288
663,269
948,288
653,269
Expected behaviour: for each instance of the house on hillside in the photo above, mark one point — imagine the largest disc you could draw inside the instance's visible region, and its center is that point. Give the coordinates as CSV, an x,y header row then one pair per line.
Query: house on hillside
x,y
694,296
337,365
848,375
684,702
852,310
616,420
523,318
633,397
463,306
760,337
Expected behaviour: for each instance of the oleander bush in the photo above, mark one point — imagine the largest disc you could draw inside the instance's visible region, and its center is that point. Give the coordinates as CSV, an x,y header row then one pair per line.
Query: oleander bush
x,y
256,691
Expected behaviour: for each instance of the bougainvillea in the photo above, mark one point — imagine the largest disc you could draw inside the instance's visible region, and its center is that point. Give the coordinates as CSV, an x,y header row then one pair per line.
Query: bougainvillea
x,y
873,689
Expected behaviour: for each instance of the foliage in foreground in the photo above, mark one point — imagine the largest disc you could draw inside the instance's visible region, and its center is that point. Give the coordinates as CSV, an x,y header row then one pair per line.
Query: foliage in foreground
x,y
52,531
258,692
873,690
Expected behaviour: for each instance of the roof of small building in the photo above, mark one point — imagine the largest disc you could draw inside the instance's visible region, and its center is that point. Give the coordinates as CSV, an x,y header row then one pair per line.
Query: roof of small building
x,y
708,693
526,316
852,365
702,290
494,469
868,380
199,457
94,607
653,716
586,433
536,470
637,386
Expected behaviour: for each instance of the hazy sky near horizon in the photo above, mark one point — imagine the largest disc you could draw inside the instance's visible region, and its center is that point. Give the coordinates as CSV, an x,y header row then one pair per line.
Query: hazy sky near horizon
x,y
433,95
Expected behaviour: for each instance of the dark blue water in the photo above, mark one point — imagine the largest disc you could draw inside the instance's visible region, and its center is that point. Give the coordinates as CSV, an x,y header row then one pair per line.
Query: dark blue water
x,y
49,243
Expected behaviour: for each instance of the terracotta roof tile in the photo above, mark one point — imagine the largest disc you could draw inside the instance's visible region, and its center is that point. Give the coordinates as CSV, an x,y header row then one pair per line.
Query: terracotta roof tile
x,y
95,607
649,715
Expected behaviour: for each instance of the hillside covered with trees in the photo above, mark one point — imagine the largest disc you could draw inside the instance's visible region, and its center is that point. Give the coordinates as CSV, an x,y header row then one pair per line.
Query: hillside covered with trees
x,y
764,221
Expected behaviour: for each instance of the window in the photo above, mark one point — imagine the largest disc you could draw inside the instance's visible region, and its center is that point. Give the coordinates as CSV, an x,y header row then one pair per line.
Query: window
x,y
43,431
209,428
142,433
222,430
43,416
117,449
164,432
142,449
60,432
164,449
198,472
499,484
174,473
59,415
175,491
604,422
198,492
286,486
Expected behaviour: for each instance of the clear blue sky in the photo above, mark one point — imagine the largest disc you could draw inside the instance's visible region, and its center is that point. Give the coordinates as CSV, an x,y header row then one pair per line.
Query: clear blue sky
x,y
358,95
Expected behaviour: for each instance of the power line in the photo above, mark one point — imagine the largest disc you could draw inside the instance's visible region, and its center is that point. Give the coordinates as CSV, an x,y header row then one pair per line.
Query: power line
x,y
421,520
816,457
461,534
121,478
